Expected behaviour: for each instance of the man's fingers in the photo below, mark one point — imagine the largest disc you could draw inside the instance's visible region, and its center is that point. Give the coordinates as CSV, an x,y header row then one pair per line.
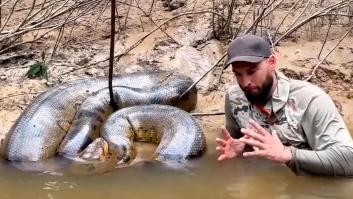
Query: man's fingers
x,y
258,128
221,142
258,153
253,143
255,148
246,136
252,134
225,133
221,149
274,134
221,157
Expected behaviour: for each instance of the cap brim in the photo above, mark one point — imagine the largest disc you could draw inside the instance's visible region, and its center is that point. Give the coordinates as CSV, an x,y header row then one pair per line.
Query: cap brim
x,y
251,59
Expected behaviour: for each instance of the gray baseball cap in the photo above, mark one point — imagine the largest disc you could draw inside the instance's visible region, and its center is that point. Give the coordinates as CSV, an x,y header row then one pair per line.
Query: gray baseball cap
x,y
248,48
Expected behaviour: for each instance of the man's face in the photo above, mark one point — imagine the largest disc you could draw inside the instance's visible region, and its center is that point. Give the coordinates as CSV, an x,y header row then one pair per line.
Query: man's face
x,y
255,79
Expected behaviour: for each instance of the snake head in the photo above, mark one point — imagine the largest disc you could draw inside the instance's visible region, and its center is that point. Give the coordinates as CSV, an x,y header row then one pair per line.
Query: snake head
x,y
124,154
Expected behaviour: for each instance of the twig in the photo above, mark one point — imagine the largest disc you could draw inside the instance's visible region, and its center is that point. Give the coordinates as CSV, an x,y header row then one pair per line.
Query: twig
x,y
272,45
16,95
71,30
311,17
101,13
322,60
127,13
257,20
58,39
134,45
306,6
262,18
323,44
45,9
27,8
167,21
118,18
138,7
285,17
208,114
52,27
242,21
225,29
3,3
0,13
134,130
28,14
9,16
213,19
338,14
143,29
111,55
272,10
37,26
151,8
61,33
210,69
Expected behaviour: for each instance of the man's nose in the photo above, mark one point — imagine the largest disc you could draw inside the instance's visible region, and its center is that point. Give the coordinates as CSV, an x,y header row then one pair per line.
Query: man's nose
x,y
245,81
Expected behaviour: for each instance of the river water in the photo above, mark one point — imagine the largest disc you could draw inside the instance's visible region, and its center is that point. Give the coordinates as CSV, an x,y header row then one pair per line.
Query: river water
x,y
201,178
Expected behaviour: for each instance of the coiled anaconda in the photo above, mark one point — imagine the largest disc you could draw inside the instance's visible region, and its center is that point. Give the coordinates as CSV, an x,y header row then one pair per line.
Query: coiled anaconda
x,y
94,111
179,135
43,125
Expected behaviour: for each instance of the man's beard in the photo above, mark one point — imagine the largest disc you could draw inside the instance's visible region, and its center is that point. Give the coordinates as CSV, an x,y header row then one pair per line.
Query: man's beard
x,y
263,95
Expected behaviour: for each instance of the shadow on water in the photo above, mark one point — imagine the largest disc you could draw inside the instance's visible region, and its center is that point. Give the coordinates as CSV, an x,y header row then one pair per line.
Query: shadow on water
x,y
201,178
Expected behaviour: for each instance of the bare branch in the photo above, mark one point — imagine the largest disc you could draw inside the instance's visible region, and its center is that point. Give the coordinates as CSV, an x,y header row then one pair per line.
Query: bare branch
x,y
306,6
5,2
323,44
127,13
285,17
19,94
323,59
242,21
144,37
204,75
208,114
151,8
259,18
9,16
319,13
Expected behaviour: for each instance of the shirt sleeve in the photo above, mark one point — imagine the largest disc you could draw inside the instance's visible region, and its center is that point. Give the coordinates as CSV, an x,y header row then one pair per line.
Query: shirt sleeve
x,y
328,137
231,124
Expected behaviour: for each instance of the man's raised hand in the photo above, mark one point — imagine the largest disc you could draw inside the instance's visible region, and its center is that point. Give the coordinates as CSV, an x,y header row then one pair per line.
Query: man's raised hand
x,y
228,146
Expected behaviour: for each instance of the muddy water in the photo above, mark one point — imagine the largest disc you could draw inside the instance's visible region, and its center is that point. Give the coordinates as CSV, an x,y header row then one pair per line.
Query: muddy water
x,y
202,178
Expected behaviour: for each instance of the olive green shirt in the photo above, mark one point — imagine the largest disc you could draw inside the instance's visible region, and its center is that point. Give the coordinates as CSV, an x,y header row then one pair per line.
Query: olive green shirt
x,y
305,118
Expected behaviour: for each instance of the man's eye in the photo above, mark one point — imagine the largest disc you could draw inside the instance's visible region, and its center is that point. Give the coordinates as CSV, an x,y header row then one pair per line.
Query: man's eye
x,y
252,71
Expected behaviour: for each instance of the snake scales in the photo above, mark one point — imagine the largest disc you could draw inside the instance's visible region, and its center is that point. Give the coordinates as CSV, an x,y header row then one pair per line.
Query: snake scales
x,y
66,118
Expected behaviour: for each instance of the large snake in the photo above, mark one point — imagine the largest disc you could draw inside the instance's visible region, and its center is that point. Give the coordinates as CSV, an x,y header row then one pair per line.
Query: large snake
x,y
43,125
166,125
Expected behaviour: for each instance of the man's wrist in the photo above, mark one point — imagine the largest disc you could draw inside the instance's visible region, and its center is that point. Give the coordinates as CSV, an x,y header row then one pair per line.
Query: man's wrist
x,y
287,155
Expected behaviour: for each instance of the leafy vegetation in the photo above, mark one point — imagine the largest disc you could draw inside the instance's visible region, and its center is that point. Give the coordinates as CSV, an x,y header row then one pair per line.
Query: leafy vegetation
x,y
38,70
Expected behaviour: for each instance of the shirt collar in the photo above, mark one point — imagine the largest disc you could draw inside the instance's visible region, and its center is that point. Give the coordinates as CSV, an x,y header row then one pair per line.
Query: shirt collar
x,y
281,93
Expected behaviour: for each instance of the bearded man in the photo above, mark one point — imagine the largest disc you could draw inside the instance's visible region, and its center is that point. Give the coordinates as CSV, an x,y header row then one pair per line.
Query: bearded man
x,y
290,122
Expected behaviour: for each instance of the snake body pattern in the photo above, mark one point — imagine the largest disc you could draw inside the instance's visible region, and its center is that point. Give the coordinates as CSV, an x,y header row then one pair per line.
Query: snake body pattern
x,y
166,125
66,118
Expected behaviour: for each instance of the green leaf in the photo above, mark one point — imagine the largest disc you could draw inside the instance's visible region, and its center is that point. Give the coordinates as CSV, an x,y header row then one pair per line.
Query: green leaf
x,y
37,70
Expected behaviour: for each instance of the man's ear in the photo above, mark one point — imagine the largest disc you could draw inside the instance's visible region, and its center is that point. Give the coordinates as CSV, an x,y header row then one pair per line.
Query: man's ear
x,y
272,61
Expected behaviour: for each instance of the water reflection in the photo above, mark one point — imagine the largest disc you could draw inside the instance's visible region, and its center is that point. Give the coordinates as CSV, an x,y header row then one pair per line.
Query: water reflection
x,y
201,178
